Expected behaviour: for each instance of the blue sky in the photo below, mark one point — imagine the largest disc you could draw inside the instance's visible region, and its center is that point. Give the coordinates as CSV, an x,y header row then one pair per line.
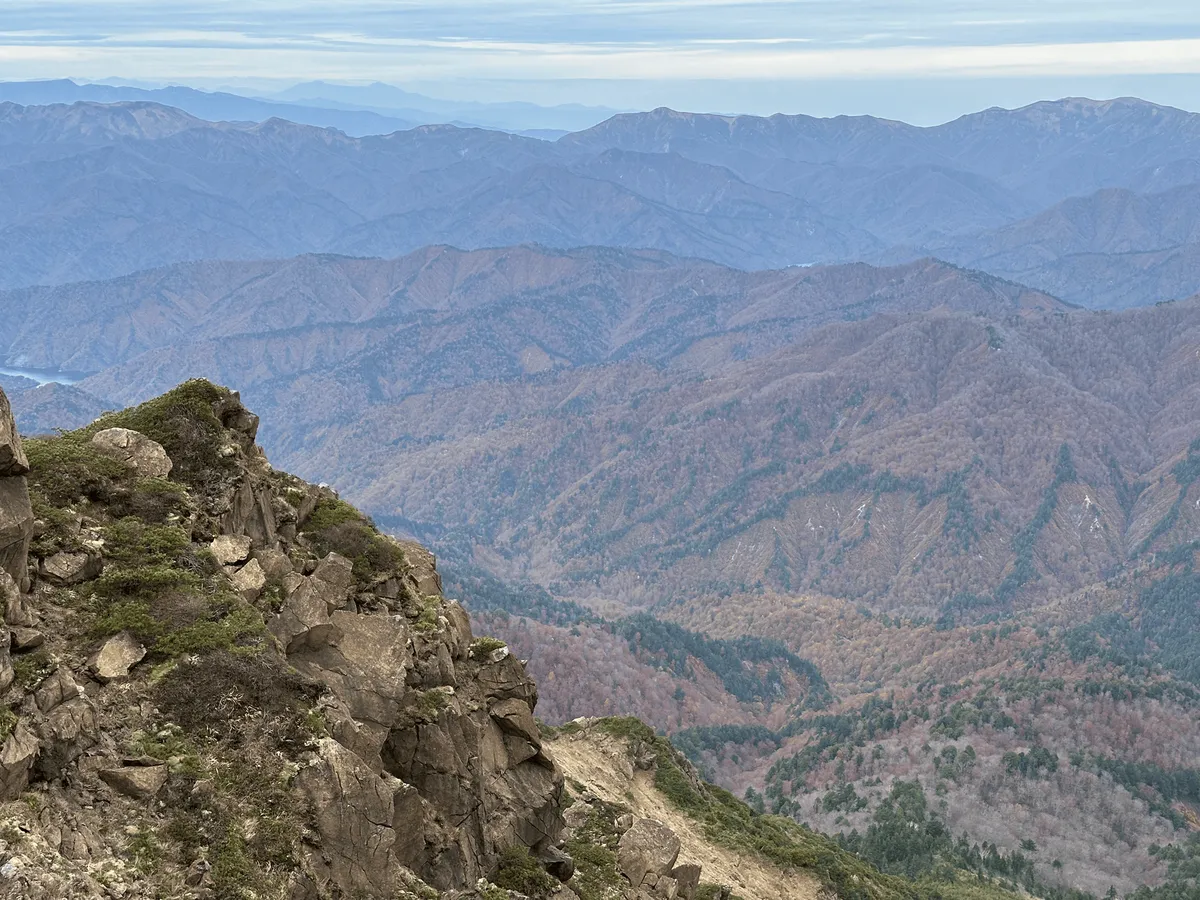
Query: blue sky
x,y
924,61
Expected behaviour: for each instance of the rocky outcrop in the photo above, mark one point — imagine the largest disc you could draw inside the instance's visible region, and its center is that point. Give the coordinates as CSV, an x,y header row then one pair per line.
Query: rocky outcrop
x,y
646,857
16,513
420,760
12,454
449,738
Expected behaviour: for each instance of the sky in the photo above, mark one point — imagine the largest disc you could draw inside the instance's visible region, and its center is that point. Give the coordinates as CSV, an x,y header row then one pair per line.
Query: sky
x,y
920,61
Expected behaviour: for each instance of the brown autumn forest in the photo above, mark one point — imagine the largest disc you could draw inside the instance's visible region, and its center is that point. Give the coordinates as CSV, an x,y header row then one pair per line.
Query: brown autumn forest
x,y
940,530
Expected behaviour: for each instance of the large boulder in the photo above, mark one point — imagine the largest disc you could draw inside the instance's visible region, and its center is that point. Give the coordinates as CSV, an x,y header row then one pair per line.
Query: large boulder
x,y
140,453
647,852
231,549
68,731
139,782
249,580
12,454
116,657
16,514
67,568
303,622
17,756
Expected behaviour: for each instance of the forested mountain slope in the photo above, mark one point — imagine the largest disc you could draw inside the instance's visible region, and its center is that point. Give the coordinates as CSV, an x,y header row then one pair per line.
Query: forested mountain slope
x,y
657,426
99,190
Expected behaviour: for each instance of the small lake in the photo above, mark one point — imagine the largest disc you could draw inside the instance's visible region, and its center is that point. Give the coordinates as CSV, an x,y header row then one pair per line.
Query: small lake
x,y
44,376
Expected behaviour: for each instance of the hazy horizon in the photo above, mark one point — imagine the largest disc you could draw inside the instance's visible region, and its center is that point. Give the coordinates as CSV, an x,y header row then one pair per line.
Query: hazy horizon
x,y
881,57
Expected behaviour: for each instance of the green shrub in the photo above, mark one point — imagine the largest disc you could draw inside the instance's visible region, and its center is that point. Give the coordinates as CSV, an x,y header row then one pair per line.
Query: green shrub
x,y
337,527
184,422
133,616
8,721
31,668
130,541
167,611
520,872
481,647
61,528
144,582
144,850
67,469
153,500
258,683
234,629
627,727
234,875
330,512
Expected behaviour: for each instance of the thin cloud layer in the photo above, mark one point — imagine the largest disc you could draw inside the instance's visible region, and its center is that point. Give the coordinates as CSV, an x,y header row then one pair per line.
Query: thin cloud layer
x,y
646,41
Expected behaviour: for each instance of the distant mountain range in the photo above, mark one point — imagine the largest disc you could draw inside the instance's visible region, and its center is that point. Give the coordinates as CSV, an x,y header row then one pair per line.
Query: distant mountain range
x,y
358,111
635,425
388,99
722,382
1093,202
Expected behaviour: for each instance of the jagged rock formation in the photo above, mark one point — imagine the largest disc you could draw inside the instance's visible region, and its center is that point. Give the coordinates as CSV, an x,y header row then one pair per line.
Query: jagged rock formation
x,y
411,750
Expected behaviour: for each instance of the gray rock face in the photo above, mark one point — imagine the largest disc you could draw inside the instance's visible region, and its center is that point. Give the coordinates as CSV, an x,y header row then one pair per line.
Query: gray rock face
x,y
16,609
423,735
356,818
7,674
58,688
236,417
16,527
17,757
12,454
16,514
146,457
67,732
250,513
116,657
274,563
687,877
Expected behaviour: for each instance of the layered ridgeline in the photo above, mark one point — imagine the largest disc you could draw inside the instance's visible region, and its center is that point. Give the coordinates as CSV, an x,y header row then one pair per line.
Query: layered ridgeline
x,y
222,682
636,428
1093,201
973,513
